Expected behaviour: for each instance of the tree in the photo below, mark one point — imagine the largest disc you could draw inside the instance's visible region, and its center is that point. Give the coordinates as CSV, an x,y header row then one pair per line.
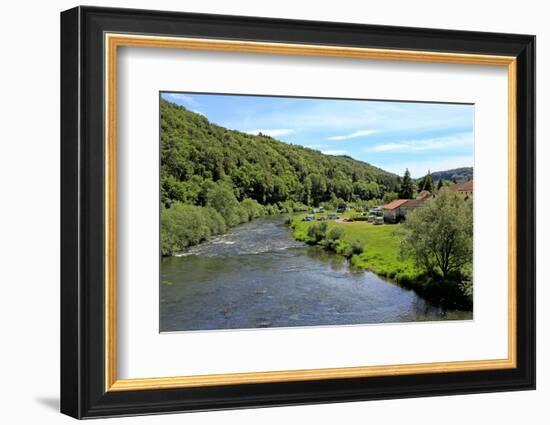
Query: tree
x,y
427,182
440,184
317,231
438,236
407,186
389,196
223,200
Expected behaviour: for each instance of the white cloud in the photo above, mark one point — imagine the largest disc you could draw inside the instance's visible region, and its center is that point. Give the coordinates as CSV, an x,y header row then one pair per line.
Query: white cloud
x,y
355,134
461,139
335,152
198,112
275,132
180,97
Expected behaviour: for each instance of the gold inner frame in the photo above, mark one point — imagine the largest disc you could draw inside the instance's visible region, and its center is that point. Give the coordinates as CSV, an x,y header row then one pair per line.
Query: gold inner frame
x,y
113,41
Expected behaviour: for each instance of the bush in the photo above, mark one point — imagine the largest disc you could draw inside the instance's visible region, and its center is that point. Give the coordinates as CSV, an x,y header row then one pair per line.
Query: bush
x,y
317,232
253,208
332,238
353,248
223,200
185,225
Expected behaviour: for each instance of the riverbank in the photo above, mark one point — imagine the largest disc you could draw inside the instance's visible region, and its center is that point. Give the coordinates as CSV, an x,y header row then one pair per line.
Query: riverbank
x,y
185,225
257,275
376,248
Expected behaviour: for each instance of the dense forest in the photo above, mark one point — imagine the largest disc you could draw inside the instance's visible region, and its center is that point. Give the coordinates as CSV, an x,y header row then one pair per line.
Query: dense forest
x,y
456,175
196,155
213,178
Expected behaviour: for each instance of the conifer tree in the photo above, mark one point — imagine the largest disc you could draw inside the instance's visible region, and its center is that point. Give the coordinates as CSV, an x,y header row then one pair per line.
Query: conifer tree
x,y
407,188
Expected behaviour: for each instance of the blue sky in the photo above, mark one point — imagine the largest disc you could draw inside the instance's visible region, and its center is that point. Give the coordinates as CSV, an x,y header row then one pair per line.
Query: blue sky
x,y
389,135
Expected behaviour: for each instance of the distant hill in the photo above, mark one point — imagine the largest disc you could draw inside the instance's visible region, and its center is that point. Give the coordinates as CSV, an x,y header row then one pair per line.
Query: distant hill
x,y
456,174
197,155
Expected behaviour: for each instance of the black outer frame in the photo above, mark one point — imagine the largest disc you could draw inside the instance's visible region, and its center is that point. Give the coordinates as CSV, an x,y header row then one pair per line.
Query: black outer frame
x,y
82,212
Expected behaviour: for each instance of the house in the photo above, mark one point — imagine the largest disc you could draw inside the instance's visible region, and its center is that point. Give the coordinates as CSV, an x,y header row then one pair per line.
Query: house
x,y
395,210
425,195
465,189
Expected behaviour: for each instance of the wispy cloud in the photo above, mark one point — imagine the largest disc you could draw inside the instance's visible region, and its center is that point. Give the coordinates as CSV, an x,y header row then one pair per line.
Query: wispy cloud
x,y
198,112
460,139
335,152
274,132
354,135
180,97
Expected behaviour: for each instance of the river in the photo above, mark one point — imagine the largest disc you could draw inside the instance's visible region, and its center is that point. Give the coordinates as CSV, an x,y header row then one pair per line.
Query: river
x,y
257,275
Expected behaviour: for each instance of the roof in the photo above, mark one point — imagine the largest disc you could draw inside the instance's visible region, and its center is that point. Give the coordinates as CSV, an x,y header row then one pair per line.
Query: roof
x,y
425,194
415,203
395,204
469,186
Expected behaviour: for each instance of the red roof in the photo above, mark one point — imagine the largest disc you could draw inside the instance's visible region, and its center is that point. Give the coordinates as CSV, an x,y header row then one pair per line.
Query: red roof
x,y
469,186
395,204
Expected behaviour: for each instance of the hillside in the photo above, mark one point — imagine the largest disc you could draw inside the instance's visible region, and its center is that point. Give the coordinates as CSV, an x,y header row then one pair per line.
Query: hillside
x,y
197,155
456,174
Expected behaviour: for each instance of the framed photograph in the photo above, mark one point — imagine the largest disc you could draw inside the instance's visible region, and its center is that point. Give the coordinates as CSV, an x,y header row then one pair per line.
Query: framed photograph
x,y
261,212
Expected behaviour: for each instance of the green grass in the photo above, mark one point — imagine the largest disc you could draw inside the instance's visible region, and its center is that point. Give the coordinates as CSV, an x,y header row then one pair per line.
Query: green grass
x,y
380,243
381,246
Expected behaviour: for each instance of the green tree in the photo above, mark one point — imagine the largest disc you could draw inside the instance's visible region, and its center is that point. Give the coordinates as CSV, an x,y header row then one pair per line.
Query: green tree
x,y
440,184
332,238
317,231
389,196
407,186
185,225
438,236
427,183
223,200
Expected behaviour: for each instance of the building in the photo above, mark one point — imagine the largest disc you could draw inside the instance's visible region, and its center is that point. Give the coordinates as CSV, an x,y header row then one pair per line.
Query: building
x,y
465,189
395,210
425,195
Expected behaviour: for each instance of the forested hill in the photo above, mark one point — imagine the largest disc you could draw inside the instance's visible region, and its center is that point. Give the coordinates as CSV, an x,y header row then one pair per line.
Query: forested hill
x,y
198,156
456,175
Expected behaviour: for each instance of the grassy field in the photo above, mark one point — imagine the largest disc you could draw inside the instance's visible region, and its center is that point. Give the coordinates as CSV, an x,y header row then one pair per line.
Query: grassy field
x,y
380,243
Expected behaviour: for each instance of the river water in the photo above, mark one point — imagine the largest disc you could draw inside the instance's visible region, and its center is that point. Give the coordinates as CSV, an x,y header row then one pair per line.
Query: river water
x,y
257,275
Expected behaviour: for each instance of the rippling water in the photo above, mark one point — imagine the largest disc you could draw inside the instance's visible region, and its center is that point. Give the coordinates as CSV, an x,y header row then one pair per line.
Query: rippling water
x,y
257,275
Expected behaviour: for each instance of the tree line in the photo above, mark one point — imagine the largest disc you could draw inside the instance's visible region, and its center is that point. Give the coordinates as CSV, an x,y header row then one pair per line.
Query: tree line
x,y
209,172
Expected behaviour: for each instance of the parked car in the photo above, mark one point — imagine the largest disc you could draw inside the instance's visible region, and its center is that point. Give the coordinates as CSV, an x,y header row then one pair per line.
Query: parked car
x,y
379,220
371,218
309,217
376,211
332,216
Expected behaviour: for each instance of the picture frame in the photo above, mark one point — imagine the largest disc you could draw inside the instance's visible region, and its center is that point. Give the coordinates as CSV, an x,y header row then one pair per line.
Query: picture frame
x,y
90,39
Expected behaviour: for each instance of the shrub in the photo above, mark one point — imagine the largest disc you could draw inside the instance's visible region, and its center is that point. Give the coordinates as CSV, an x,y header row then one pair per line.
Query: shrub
x,y
317,232
332,238
353,248
184,225
223,200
